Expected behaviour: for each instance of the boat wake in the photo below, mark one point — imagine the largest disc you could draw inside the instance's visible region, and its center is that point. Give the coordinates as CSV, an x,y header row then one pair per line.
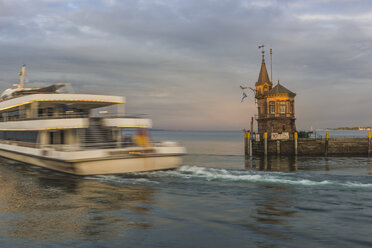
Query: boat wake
x,y
188,172
250,176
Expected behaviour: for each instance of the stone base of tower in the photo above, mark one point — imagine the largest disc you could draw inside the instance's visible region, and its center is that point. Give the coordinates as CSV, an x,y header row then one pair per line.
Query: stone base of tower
x,y
276,125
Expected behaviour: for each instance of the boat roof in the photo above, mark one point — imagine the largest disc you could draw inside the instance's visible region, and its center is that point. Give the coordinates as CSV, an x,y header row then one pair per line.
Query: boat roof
x,y
16,92
14,97
95,101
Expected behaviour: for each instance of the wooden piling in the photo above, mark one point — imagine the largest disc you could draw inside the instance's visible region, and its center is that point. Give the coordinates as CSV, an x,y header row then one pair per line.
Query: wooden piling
x,y
250,145
246,149
265,140
295,143
326,144
369,144
278,147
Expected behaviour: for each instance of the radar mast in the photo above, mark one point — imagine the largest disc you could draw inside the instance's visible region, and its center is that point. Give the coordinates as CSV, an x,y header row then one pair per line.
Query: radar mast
x,y
22,75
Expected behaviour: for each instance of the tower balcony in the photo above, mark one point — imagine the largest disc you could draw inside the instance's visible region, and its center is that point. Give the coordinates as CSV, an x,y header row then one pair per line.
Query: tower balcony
x,y
274,116
277,115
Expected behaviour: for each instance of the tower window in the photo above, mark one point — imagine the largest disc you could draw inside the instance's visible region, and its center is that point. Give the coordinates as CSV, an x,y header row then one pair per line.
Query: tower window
x,y
282,108
272,107
291,107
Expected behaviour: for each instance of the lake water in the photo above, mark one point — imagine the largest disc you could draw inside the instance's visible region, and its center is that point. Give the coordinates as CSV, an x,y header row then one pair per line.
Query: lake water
x,y
215,199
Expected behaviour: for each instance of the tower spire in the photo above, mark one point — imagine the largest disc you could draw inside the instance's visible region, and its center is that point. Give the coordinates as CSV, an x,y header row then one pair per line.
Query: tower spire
x,y
263,76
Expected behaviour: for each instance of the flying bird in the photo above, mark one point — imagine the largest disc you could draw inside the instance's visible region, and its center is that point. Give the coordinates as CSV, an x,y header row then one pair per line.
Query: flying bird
x,y
244,96
242,87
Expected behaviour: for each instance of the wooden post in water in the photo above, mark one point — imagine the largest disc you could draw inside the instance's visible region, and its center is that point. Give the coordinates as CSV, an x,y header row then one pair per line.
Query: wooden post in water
x,y
250,145
369,143
246,149
326,144
278,147
295,142
265,141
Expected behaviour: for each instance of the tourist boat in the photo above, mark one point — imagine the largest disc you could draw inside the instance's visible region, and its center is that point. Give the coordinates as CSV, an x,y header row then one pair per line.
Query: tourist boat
x,y
54,128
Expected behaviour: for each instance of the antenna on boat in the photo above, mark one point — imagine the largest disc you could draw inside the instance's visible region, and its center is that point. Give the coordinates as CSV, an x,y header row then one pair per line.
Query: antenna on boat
x,y
22,75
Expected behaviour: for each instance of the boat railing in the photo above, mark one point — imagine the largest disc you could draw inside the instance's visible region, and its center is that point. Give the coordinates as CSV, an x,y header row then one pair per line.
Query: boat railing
x,y
106,145
20,143
63,116
45,117
89,146
70,115
118,115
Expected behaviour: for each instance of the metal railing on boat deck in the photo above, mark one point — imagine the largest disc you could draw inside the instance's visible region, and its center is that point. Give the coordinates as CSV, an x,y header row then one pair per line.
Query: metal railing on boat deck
x,y
45,116
118,115
109,145
71,115
88,146
19,143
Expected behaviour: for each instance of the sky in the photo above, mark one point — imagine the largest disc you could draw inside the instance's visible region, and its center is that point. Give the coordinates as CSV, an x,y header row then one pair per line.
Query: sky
x,y
181,62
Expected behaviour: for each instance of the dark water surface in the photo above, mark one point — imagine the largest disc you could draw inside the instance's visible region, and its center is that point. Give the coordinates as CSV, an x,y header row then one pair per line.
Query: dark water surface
x,y
215,199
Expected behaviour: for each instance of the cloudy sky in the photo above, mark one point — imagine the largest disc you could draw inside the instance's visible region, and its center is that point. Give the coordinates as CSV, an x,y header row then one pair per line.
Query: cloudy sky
x,y
182,61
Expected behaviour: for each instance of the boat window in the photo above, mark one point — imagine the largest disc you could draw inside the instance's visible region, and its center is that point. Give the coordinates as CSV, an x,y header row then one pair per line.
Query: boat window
x,y
127,136
135,137
51,138
62,136
13,115
25,136
57,137
50,111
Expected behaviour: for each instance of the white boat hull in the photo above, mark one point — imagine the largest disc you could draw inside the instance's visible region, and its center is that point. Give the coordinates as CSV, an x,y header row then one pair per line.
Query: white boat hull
x,y
98,166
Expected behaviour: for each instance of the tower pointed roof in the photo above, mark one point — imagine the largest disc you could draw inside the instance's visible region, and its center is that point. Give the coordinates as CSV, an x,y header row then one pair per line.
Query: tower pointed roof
x,y
281,89
263,76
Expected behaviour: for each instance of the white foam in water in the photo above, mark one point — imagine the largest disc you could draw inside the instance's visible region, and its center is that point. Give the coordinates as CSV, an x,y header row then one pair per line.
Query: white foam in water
x,y
212,174
365,185
120,180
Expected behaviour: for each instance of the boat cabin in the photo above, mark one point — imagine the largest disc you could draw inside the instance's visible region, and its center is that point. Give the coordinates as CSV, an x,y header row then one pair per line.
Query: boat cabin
x,y
48,117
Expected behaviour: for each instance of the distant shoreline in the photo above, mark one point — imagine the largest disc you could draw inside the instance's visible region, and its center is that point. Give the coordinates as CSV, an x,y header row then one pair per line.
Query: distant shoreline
x,y
348,128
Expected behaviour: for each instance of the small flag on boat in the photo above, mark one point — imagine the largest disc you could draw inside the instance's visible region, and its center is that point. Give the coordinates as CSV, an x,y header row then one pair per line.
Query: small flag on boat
x,y
244,96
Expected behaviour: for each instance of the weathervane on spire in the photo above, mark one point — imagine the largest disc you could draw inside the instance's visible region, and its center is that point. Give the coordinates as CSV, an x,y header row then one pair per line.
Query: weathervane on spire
x,y
262,50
